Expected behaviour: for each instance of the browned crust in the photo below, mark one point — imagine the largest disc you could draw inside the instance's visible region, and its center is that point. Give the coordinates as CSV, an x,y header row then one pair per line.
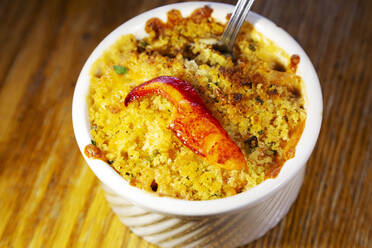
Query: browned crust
x,y
289,150
173,17
91,151
200,14
295,60
155,25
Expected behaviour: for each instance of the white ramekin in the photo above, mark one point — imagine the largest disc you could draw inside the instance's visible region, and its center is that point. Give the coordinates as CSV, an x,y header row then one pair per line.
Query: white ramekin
x,y
227,222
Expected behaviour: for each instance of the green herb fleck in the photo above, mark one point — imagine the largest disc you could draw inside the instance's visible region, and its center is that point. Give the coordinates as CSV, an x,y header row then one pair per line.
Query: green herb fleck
x,y
258,99
274,152
251,46
93,142
119,69
252,142
237,97
143,43
215,195
260,132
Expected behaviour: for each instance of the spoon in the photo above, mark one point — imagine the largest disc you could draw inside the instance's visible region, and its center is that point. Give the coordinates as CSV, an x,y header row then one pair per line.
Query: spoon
x,y
226,43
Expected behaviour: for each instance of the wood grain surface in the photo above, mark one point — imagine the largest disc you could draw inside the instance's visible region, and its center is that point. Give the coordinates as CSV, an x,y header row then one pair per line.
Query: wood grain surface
x,y
50,198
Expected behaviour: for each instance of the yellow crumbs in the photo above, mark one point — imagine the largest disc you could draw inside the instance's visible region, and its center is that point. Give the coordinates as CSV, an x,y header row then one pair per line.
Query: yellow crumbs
x,y
258,99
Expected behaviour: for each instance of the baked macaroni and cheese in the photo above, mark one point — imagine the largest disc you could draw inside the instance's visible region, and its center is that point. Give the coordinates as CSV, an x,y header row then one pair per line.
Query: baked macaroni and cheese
x,y
175,116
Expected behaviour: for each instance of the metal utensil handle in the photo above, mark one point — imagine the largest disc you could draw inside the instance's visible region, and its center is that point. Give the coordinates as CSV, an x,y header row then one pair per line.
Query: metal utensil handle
x,y
235,23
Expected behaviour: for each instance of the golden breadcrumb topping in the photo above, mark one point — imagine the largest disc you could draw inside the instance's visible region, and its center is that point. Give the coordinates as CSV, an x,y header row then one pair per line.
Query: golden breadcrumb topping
x,y
257,98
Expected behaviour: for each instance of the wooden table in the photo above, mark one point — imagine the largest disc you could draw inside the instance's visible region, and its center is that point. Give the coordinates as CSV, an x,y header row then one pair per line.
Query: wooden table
x,y
50,198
